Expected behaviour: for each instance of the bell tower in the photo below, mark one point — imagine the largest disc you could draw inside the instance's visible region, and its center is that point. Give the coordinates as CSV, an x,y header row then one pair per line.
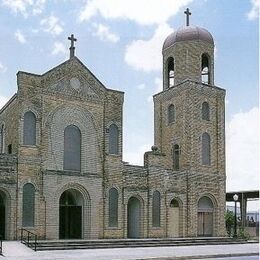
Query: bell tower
x,y
189,112
189,123
188,53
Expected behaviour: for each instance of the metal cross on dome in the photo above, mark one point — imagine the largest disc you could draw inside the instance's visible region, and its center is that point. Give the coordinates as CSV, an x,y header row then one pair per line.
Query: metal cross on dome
x,y
72,48
188,13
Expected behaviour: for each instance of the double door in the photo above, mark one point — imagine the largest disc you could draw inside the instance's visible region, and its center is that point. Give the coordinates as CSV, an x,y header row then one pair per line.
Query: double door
x,y
70,222
205,224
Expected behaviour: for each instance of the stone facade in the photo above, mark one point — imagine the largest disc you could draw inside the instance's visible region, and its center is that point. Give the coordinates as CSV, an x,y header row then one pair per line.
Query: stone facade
x,y
71,95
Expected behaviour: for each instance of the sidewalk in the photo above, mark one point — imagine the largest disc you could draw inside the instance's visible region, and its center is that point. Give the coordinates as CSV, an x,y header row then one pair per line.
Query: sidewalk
x,y
16,251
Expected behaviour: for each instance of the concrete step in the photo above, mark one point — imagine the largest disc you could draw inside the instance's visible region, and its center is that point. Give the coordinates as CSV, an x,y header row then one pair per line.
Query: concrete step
x,y
123,243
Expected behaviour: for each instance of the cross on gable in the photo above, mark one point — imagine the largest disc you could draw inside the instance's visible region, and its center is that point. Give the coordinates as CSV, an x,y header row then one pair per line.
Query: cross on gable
x,y
72,48
188,13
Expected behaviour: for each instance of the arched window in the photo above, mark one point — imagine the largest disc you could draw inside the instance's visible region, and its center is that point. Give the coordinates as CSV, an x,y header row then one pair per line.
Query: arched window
x,y
67,199
205,111
205,204
205,149
170,72
174,203
176,157
28,205
205,72
113,139
2,139
156,209
29,128
72,148
113,207
171,114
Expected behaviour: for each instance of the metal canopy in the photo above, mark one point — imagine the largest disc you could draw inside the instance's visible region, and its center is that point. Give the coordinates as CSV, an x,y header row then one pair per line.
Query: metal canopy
x,y
251,194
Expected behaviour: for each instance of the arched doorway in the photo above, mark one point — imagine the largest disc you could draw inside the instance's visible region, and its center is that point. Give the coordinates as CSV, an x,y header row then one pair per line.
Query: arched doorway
x,y
173,219
205,217
2,214
133,218
71,210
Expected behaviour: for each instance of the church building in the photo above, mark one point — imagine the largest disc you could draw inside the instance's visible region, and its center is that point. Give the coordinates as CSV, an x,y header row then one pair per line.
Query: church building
x,y
61,170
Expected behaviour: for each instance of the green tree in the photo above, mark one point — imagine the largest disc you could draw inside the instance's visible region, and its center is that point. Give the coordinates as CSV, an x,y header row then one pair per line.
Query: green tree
x,y
230,221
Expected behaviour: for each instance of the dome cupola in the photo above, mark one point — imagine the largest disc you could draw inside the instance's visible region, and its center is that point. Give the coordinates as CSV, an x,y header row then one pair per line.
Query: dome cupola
x,y
188,33
188,53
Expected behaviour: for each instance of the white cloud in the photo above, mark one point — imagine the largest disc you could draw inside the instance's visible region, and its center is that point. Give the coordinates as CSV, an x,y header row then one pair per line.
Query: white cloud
x,y
18,6
3,101
59,48
3,69
103,32
242,148
20,37
254,12
25,6
158,88
146,55
52,25
38,7
156,11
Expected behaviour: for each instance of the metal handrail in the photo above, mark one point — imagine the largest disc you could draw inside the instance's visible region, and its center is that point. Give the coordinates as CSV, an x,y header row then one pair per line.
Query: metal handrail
x,y
1,245
26,239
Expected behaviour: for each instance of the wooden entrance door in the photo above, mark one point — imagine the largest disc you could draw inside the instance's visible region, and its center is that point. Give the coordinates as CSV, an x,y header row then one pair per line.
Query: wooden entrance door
x,y
174,219
205,224
71,209
173,224
133,218
70,222
205,217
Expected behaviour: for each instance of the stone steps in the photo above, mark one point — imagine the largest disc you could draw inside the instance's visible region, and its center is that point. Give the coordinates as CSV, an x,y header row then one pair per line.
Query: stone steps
x,y
123,243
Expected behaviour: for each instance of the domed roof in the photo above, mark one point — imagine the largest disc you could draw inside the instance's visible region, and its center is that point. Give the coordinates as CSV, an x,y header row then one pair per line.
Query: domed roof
x,y
187,33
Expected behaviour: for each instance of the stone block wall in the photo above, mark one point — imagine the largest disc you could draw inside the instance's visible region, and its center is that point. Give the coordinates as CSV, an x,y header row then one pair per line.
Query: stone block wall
x,y
90,188
188,127
8,187
9,119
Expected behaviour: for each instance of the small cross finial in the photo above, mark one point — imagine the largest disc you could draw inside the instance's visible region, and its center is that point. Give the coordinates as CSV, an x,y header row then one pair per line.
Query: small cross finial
x,y
188,13
72,48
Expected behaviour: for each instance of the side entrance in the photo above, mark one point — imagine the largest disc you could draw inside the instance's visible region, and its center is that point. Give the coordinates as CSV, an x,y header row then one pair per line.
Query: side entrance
x,y
133,218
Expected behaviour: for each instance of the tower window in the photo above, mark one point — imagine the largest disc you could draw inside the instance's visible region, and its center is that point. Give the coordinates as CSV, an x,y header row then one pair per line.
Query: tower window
x,y
171,114
205,111
113,139
205,73
29,128
170,72
205,149
176,157
156,208
9,148
72,148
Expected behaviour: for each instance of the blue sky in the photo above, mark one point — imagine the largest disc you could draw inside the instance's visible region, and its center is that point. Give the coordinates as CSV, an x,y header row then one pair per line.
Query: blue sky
x,y
121,41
